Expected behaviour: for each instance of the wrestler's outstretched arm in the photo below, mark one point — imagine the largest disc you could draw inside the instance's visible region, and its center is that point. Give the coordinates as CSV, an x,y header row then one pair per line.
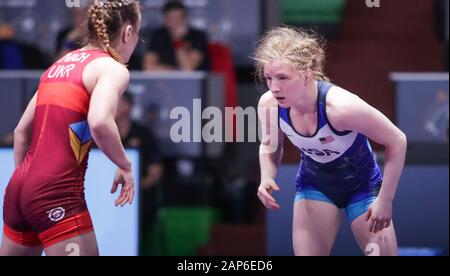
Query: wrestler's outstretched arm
x,y
349,112
110,86
270,151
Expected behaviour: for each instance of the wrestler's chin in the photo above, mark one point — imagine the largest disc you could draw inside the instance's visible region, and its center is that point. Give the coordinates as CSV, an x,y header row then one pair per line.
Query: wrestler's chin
x,y
282,102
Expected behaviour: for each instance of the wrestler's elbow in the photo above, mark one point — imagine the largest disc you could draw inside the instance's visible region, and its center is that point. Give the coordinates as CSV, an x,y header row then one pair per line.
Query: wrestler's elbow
x,y
97,126
401,141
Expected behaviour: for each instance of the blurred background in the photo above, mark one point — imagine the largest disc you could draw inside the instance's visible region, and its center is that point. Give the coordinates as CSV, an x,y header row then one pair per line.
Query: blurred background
x,y
199,198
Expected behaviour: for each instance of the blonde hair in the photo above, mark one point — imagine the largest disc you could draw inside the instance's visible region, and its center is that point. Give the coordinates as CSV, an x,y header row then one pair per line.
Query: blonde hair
x,y
304,50
106,19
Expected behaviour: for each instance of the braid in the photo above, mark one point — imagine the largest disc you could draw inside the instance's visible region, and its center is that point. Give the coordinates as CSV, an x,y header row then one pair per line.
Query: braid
x,y
321,76
111,5
99,24
98,12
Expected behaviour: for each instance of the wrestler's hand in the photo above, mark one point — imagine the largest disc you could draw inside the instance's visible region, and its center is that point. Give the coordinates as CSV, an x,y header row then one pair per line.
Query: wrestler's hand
x,y
265,193
379,215
126,179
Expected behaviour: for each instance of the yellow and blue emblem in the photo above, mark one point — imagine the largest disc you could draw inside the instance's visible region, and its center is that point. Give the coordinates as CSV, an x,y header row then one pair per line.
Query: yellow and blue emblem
x,y
80,139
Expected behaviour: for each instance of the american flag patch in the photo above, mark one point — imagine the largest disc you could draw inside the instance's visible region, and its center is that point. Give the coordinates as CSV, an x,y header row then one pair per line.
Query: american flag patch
x,y
326,140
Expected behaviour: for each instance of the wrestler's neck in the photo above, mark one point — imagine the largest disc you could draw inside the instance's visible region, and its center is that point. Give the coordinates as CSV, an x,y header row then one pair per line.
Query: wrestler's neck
x,y
307,102
93,47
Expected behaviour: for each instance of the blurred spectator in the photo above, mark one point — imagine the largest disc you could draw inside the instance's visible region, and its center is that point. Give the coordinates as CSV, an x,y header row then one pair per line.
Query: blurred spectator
x,y
176,45
18,56
7,140
440,11
70,38
441,22
137,136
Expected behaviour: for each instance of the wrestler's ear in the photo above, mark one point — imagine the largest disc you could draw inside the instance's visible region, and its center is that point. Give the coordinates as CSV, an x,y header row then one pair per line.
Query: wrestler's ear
x,y
127,33
309,76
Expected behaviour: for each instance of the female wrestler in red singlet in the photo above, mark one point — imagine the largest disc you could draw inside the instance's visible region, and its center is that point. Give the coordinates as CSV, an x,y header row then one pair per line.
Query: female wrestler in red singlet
x,y
44,206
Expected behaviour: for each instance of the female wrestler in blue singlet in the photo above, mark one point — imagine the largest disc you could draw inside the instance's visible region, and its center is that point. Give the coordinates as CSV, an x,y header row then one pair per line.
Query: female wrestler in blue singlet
x,y
330,126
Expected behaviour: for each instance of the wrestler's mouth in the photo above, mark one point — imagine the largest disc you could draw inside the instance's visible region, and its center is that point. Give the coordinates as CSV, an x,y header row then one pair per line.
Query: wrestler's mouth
x,y
280,98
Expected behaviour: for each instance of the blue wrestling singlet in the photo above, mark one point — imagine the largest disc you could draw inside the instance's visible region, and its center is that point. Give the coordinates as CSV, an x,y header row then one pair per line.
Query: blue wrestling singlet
x,y
336,167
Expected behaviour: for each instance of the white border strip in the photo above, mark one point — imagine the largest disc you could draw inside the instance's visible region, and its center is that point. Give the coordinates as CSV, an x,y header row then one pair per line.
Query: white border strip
x,y
436,76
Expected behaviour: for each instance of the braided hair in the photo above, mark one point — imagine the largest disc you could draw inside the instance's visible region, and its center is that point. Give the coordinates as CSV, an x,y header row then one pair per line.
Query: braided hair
x,y
105,21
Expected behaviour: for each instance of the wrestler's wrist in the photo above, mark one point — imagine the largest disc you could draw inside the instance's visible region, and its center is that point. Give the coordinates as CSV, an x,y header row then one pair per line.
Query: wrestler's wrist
x,y
266,179
385,199
126,167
